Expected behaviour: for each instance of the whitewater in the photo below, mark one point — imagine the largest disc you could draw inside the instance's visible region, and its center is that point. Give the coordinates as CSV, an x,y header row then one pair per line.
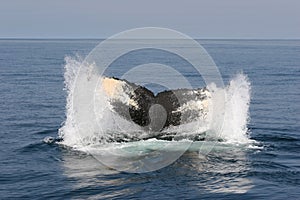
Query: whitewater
x,y
227,125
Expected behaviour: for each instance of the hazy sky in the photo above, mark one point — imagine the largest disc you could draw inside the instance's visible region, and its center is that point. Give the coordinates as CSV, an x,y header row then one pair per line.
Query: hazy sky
x,y
197,18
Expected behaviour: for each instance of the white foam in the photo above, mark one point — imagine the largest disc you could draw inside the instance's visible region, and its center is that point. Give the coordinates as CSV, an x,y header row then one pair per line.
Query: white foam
x,y
228,121
234,111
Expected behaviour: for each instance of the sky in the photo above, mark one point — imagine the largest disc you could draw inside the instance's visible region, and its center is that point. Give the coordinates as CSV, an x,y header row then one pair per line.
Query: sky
x,y
247,19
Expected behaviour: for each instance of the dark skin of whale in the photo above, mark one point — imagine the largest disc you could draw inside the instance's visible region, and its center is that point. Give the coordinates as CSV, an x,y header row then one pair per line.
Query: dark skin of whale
x,y
157,112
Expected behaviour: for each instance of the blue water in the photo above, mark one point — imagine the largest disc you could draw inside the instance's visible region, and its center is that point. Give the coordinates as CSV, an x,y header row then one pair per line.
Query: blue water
x,y
33,101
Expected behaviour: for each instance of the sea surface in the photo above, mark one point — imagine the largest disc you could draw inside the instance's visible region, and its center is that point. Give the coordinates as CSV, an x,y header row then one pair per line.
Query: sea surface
x,y
33,112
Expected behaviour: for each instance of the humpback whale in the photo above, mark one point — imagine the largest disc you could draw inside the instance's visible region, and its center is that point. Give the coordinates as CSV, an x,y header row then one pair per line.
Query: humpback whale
x,y
155,112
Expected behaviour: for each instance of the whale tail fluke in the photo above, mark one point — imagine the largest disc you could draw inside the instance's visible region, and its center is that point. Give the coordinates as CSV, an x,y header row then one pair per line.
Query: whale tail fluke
x,y
155,112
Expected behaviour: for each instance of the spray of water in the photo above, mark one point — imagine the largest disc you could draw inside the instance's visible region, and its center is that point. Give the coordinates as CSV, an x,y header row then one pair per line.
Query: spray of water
x,y
232,115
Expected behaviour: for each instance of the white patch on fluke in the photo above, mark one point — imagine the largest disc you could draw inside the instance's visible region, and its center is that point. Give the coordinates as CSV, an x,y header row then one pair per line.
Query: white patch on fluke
x,y
116,90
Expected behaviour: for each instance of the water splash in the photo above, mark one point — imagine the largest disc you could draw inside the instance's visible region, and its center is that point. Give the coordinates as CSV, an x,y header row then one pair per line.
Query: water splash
x,y
237,110
232,113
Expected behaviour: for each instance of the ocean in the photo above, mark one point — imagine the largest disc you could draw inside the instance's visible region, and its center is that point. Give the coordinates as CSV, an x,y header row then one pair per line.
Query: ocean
x,y
255,157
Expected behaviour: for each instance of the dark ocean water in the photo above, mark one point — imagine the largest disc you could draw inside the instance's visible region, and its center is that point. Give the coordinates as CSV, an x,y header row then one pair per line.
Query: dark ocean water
x,y
32,105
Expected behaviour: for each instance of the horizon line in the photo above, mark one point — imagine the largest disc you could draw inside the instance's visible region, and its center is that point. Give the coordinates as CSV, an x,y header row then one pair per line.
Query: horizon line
x,y
91,38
